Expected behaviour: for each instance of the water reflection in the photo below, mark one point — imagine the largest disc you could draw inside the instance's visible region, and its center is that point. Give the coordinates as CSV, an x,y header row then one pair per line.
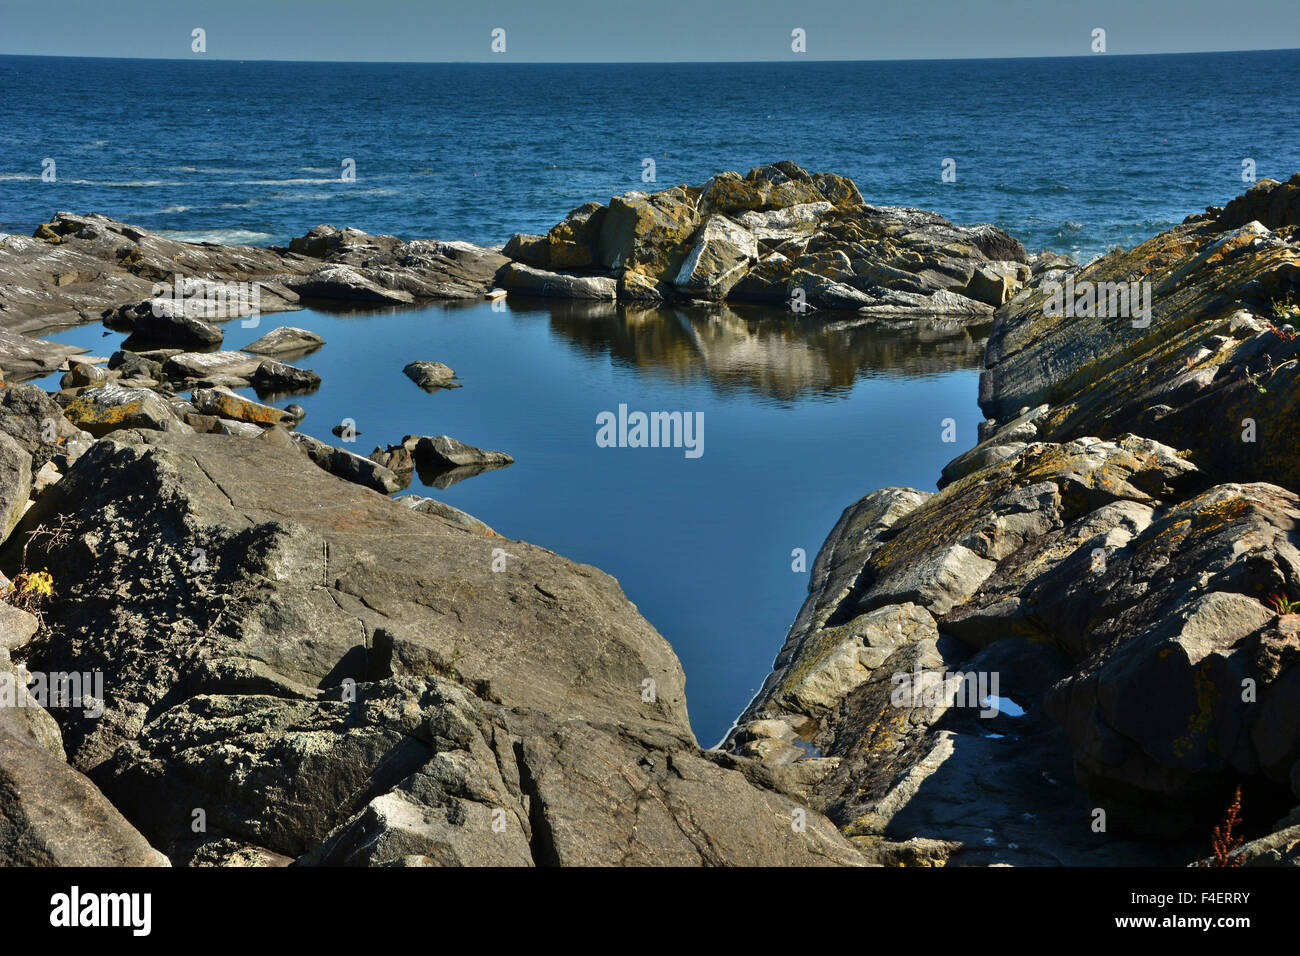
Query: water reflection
x,y
771,353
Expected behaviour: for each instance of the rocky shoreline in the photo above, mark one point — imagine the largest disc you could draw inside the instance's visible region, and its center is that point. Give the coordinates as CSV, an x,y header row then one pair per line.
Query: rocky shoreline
x,y
1120,549
334,677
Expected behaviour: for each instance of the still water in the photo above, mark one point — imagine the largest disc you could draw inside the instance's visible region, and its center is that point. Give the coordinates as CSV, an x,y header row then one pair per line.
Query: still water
x,y
800,418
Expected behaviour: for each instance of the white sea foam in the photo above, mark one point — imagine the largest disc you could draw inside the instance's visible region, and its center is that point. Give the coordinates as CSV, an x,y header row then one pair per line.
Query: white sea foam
x,y
225,237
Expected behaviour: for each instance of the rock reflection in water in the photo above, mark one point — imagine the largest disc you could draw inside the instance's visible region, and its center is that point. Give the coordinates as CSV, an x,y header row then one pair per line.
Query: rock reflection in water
x,y
764,350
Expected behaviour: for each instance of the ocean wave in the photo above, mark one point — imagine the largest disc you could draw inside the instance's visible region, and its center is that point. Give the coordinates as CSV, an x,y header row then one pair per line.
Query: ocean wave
x,y
224,237
129,184
23,177
206,169
283,182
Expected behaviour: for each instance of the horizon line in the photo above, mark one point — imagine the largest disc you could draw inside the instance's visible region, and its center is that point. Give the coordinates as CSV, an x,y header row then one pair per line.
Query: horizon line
x,y
791,59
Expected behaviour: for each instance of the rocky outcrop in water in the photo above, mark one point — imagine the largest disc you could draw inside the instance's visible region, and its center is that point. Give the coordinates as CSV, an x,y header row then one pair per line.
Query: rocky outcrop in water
x,y
779,235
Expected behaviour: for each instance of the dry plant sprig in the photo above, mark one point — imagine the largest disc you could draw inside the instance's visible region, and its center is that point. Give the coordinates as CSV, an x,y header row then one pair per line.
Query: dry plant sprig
x,y
1224,841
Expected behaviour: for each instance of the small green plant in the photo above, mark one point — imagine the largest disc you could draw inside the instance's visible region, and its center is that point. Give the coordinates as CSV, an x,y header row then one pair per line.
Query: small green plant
x,y
1284,310
1282,604
1258,379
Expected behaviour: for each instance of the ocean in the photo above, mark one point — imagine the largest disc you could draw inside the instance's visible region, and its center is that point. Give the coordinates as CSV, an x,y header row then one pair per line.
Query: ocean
x,y
1076,155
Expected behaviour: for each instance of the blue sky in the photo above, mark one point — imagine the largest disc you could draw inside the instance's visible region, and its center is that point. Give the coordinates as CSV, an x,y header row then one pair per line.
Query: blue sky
x,y
639,30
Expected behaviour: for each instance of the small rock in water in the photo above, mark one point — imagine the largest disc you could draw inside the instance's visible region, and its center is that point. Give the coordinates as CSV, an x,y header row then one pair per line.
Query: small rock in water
x,y
273,376
446,452
431,376
285,340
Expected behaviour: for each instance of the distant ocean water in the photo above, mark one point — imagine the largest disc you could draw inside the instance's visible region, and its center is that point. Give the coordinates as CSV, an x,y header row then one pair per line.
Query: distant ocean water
x,y
1077,154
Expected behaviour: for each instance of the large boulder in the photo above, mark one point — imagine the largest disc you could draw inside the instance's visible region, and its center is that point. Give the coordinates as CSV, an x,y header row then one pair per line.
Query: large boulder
x,y
51,815
272,377
224,403
649,233
352,467
188,366
721,254
343,679
572,243
29,416
106,408
15,483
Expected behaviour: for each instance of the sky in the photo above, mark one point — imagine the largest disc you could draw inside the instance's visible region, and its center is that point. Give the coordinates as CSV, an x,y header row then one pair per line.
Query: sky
x,y
639,30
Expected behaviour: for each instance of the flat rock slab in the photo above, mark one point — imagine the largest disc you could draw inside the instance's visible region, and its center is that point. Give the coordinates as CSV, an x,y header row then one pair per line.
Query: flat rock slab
x,y
285,340
195,365
23,357
226,404
518,277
